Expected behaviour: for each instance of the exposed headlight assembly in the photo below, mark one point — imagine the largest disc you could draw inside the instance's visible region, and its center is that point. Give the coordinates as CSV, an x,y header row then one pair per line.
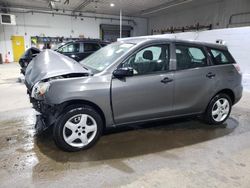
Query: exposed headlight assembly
x,y
40,89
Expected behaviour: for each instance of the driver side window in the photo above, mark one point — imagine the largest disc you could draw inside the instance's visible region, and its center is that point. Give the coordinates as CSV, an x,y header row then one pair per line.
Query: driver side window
x,y
149,60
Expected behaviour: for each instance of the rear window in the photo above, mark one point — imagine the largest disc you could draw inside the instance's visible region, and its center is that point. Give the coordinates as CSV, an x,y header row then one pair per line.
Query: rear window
x,y
221,57
91,47
189,57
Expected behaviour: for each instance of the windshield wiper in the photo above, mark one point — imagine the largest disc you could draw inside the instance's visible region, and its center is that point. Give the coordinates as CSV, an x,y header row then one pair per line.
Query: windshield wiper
x,y
85,67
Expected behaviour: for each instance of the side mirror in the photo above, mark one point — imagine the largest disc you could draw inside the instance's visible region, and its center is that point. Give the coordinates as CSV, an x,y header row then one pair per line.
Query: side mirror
x,y
123,72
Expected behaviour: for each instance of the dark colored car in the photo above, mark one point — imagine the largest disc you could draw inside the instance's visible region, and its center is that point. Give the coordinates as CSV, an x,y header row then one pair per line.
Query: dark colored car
x,y
27,57
79,50
131,81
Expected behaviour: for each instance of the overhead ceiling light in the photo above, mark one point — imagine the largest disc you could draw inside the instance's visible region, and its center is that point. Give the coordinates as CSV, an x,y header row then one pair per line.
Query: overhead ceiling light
x,y
168,5
112,4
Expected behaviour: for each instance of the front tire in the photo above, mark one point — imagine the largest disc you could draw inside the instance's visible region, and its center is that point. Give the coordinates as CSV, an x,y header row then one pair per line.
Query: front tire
x,y
78,128
218,110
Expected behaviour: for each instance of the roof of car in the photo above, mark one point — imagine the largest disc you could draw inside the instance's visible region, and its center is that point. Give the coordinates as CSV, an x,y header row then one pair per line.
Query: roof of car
x,y
137,40
89,40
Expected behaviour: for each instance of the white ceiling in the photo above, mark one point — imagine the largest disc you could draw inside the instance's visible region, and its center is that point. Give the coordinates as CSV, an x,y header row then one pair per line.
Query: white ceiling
x,y
129,7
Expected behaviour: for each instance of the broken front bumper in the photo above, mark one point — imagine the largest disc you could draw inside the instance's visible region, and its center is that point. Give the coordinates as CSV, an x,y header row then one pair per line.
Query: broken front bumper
x,y
47,117
40,125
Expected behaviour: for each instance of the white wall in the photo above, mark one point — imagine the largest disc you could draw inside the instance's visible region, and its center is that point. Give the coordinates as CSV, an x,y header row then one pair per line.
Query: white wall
x,y
44,24
237,40
215,12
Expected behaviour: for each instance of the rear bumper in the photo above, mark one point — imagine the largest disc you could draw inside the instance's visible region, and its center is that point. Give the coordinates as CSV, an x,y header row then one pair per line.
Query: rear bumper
x,y
238,93
22,70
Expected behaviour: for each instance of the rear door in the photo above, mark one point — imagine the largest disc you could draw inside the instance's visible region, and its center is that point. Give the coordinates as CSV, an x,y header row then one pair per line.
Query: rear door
x,y
149,93
194,79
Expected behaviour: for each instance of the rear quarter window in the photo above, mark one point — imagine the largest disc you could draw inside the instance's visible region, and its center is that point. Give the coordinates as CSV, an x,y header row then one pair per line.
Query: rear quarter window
x,y
91,47
221,57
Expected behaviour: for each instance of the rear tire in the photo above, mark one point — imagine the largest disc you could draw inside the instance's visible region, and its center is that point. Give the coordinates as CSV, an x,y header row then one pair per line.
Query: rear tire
x,y
78,128
218,110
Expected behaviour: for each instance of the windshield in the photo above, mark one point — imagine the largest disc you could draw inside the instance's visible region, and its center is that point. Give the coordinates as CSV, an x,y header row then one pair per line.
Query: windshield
x,y
104,57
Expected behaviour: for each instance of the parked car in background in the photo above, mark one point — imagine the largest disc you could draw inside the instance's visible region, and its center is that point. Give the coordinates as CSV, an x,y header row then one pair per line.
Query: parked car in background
x,y
131,81
77,50
27,57
80,49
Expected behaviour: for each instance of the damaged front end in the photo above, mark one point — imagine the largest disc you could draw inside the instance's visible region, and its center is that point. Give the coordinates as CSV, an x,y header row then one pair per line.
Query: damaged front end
x,y
47,116
45,68
48,113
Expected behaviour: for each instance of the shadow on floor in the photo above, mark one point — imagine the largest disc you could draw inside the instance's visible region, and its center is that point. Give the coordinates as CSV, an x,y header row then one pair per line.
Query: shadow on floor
x,y
132,141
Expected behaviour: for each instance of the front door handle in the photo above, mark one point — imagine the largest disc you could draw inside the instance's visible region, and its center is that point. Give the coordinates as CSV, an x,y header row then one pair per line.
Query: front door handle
x,y
166,80
210,75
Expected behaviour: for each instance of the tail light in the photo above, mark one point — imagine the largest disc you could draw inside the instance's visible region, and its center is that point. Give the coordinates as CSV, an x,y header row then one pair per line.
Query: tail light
x,y
237,67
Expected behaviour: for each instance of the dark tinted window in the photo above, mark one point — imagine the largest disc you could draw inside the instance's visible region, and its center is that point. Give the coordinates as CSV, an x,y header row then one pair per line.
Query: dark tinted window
x,y
188,57
149,60
70,48
91,47
35,51
221,57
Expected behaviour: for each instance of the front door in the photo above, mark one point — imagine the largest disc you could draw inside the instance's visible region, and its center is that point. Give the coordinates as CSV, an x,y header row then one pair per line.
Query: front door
x,y
72,50
149,93
18,47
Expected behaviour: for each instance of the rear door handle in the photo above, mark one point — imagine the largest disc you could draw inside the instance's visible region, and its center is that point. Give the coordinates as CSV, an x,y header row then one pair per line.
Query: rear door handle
x,y
166,80
210,75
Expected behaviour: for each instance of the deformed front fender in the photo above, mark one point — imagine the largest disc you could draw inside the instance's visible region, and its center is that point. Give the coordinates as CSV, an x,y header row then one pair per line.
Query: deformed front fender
x,y
93,89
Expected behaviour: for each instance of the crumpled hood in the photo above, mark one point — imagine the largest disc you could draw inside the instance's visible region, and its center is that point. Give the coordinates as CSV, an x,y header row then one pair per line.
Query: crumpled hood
x,y
50,64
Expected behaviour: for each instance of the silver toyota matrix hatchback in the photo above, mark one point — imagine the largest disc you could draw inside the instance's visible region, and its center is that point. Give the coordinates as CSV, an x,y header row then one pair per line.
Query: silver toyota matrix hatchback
x,y
131,81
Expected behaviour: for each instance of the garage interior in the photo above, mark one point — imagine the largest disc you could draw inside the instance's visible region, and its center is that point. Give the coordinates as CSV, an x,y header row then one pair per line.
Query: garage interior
x,y
174,153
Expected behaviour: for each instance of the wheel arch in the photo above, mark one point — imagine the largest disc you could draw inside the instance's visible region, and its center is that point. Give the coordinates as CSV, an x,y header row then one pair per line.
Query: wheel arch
x,y
88,103
228,92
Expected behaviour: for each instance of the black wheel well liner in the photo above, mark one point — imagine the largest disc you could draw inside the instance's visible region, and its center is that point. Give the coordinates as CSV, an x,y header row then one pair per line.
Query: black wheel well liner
x,y
88,103
228,92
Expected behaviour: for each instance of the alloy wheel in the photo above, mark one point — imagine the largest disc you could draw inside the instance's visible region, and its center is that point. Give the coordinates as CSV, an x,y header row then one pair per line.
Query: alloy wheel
x,y
220,110
79,130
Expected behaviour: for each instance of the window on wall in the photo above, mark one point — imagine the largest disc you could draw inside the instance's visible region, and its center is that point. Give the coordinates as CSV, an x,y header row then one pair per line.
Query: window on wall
x,y
221,57
188,57
149,60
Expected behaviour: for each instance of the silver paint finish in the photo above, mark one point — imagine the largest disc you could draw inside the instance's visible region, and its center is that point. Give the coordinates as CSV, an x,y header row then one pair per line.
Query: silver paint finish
x,y
49,64
138,98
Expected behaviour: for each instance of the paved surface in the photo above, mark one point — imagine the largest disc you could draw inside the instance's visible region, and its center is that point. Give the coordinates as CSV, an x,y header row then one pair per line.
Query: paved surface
x,y
180,153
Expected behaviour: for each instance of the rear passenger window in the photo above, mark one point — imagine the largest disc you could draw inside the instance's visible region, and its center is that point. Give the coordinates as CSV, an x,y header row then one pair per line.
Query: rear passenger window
x,y
188,57
91,47
149,60
221,57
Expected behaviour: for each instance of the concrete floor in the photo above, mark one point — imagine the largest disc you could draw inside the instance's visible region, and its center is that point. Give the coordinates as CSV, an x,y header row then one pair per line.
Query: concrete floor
x,y
180,153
